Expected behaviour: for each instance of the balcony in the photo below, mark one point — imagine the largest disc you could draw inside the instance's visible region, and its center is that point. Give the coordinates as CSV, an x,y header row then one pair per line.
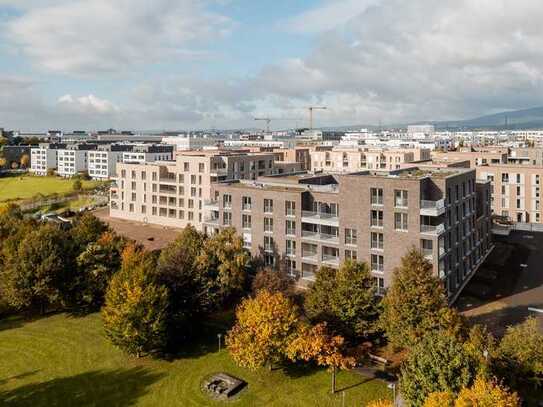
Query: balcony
x,y
330,259
321,237
218,172
428,254
211,221
311,257
432,208
168,180
320,218
433,230
211,205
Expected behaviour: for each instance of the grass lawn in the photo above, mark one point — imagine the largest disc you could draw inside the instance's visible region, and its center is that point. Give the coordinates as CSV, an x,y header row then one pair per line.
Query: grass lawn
x,y
62,360
26,186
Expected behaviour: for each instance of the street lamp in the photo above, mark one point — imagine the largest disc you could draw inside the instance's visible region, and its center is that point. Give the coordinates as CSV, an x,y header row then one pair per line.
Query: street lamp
x,y
219,335
393,387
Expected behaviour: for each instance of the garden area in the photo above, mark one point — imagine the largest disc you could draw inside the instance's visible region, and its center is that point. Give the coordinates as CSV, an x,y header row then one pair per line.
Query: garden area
x,y
62,360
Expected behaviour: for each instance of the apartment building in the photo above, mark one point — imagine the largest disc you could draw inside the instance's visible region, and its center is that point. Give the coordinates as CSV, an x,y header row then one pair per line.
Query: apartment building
x,y
186,142
526,155
174,193
516,191
356,159
476,156
102,162
309,221
144,153
44,157
73,159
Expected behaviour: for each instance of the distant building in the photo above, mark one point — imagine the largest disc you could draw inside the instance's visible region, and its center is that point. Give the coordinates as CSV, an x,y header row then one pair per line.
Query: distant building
x,y
44,157
145,153
13,155
188,142
73,159
102,162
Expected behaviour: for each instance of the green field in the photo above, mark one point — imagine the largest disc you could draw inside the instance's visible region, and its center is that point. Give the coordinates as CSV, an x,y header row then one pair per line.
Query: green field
x,y
66,361
26,186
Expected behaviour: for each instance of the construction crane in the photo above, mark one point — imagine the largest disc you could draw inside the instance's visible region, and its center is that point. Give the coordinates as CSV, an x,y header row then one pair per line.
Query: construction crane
x,y
268,121
311,108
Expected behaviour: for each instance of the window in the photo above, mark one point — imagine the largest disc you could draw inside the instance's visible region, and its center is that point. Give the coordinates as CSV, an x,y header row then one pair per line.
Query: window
x,y
226,218
400,221
379,283
377,219
290,227
505,178
268,205
268,244
377,263
518,178
246,205
350,236
350,255
227,201
291,248
376,196
376,241
201,167
268,225
186,167
290,208
400,199
246,221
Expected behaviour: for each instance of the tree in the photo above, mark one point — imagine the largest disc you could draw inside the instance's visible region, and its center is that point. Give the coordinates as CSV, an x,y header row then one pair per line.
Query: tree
x,y
135,309
96,266
77,185
37,269
380,403
520,354
14,165
481,346
265,325
437,363
487,393
415,303
222,267
345,299
177,270
50,172
87,229
440,399
25,160
3,162
317,344
272,281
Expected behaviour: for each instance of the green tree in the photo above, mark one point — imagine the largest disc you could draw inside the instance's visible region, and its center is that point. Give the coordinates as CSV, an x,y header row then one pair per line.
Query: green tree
x,y
87,229
77,185
177,269
222,267
437,363
96,266
520,354
135,309
265,325
25,160
38,269
345,299
415,303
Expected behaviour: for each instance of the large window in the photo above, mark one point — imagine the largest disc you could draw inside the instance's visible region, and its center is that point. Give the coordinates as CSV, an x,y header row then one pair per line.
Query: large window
x,y
400,198
227,218
227,201
290,208
376,196
291,248
268,244
268,225
377,263
246,221
400,221
268,205
350,236
246,205
290,227
377,240
377,219
350,255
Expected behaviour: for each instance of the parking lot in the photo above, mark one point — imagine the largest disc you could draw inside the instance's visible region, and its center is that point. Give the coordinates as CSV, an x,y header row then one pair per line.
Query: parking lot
x,y
507,283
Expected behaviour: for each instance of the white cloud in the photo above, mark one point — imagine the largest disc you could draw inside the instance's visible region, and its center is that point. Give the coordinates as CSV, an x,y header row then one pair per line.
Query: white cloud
x,y
87,104
330,15
93,36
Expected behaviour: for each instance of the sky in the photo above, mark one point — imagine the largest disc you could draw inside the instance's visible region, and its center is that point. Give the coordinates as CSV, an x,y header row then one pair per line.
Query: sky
x,y
193,64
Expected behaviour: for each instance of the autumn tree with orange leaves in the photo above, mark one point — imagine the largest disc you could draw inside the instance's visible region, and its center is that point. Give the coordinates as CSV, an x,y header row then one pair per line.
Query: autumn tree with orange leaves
x,y
318,345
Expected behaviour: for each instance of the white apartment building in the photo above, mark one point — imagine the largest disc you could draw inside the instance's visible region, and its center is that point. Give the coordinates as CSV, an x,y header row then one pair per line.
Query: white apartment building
x,y
73,159
44,158
175,193
145,153
102,163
